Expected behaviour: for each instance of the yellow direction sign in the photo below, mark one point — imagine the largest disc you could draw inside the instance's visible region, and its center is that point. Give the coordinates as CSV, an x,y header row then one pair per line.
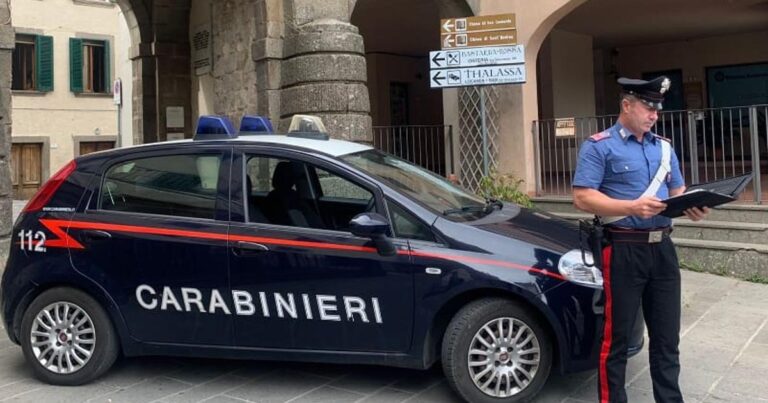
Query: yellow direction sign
x,y
477,24
474,39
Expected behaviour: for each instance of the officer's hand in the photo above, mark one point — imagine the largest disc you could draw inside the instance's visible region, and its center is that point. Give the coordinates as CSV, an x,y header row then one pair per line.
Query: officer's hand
x,y
696,214
647,207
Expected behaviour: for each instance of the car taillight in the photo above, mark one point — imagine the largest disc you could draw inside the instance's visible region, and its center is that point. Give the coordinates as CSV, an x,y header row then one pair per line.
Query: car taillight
x,y
49,188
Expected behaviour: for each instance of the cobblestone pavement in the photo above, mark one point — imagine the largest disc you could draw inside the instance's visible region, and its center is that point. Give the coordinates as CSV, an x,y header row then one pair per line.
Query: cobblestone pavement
x,y
724,353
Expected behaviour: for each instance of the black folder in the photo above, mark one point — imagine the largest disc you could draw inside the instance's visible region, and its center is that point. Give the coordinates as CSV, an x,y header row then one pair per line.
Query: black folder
x,y
708,194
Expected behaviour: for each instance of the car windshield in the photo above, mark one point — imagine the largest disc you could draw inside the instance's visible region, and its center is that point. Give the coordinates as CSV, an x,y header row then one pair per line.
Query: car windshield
x,y
421,185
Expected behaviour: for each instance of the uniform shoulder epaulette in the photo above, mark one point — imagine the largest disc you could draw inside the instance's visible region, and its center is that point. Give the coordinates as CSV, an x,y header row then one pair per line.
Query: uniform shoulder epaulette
x,y
600,136
662,138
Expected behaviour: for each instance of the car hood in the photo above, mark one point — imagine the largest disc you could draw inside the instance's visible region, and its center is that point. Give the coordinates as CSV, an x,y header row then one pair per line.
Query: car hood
x,y
533,226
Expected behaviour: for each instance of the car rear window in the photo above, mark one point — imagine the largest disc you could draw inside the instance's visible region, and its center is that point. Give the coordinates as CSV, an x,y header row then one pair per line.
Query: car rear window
x,y
175,185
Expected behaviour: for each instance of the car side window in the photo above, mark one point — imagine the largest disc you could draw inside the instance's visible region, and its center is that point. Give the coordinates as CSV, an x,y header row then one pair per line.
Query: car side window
x,y
295,193
406,225
174,185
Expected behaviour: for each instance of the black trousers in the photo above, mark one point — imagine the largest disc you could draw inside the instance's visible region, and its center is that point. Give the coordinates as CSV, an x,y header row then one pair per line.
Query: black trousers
x,y
648,275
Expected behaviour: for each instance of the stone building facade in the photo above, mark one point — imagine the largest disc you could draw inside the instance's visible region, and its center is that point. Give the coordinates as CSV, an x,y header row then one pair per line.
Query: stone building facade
x,y
6,51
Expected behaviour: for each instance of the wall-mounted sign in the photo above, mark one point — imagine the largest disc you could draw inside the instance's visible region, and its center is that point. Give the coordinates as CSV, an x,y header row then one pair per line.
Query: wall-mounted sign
x,y
565,127
117,92
486,75
202,49
174,117
478,23
475,39
486,56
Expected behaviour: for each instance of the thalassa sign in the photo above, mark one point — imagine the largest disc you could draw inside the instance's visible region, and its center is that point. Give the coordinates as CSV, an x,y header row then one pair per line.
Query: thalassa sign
x,y
486,75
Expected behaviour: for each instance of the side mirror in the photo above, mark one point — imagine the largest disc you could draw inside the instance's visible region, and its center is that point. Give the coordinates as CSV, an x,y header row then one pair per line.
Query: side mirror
x,y
374,226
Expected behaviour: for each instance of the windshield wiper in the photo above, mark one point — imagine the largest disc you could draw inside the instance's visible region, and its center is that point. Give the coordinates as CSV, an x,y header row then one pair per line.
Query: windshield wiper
x,y
465,209
490,204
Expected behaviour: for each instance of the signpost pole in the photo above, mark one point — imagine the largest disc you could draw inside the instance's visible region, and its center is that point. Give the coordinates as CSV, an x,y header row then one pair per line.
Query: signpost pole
x,y
484,130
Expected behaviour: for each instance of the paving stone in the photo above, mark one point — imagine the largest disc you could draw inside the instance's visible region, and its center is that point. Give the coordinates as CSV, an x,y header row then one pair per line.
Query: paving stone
x,y
725,336
327,394
147,391
416,381
277,387
208,390
762,337
63,394
722,397
694,382
706,356
14,367
196,371
366,380
559,385
754,356
131,371
387,395
748,381
20,387
440,393
223,399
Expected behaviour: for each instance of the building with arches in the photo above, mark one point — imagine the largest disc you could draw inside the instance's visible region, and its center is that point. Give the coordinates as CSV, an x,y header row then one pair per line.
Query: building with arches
x,y
363,64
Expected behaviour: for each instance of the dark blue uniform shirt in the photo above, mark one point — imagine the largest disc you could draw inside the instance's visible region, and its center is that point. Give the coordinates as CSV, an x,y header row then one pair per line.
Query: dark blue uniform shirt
x,y
620,167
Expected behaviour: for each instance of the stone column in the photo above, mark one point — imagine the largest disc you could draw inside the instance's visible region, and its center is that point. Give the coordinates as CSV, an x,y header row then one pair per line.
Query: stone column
x,y
144,95
7,42
323,70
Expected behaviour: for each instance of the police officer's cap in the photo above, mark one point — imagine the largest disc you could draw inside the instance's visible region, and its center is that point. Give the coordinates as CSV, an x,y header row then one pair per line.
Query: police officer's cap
x,y
650,92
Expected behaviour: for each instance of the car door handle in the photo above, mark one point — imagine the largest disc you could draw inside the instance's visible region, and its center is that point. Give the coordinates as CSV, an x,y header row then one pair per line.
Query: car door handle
x,y
243,248
95,235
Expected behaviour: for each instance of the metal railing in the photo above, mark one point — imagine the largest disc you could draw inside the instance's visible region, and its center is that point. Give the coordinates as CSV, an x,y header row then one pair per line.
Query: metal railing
x,y
429,146
710,144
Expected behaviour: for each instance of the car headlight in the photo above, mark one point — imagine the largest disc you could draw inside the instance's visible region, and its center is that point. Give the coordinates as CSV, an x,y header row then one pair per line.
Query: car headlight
x,y
574,267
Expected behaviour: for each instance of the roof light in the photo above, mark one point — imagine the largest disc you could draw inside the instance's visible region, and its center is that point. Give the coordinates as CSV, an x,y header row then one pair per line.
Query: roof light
x,y
211,127
306,126
252,124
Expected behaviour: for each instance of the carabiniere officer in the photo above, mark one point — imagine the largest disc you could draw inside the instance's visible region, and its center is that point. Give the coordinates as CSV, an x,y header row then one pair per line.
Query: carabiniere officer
x,y
614,180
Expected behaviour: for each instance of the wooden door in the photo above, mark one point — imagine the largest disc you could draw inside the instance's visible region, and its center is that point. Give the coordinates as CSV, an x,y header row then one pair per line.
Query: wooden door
x,y
87,147
26,169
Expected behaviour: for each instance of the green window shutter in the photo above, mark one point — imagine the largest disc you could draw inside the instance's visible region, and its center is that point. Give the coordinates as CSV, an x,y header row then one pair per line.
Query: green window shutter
x,y
44,63
76,65
107,70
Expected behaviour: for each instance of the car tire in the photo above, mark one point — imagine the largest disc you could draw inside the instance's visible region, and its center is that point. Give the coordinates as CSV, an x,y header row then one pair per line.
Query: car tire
x,y
67,337
496,326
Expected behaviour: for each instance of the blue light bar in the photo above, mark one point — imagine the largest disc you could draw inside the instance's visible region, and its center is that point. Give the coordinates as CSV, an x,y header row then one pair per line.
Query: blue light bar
x,y
255,124
212,127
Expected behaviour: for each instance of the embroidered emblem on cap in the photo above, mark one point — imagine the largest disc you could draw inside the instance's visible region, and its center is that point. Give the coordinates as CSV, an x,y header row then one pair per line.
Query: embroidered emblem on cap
x,y
665,85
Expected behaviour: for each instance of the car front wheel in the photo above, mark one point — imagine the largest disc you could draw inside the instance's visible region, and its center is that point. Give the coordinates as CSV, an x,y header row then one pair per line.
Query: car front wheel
x,y
67,337
494,350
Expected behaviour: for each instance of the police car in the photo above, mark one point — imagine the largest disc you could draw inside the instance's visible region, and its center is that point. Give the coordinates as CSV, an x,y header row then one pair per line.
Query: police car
x,y
295,247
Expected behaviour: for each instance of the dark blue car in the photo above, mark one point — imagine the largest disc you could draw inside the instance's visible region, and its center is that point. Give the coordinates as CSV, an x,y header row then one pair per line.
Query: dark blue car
x,y
284,247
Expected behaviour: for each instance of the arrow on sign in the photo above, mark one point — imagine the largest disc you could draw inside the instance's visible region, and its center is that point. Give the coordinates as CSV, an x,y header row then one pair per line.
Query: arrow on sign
x,y
437,59
448,41
447,25
438,77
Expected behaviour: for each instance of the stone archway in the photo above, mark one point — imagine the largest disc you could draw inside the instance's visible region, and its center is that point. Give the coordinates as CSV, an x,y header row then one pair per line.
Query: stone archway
x,y
143,97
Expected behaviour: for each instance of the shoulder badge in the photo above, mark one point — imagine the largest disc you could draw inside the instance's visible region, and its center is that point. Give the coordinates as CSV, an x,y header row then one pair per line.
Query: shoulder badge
x,y
600,136
662,138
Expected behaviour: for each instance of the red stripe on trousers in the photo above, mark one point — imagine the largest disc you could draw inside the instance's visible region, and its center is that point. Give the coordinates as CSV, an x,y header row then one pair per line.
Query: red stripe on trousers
x,y
607,328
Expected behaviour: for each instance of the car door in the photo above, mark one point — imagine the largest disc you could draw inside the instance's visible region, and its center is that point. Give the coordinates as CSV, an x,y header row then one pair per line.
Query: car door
x,y
153,236
300,280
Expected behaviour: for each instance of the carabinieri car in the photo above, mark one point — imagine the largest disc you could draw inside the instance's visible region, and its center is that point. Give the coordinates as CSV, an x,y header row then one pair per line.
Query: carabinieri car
x,y
295,247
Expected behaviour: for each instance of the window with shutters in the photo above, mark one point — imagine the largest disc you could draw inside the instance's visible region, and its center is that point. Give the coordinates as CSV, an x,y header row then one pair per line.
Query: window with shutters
x,y
89,66
33,63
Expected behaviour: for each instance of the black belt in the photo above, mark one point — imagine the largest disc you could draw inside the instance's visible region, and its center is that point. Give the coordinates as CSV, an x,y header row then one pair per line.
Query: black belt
x,y
637,235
